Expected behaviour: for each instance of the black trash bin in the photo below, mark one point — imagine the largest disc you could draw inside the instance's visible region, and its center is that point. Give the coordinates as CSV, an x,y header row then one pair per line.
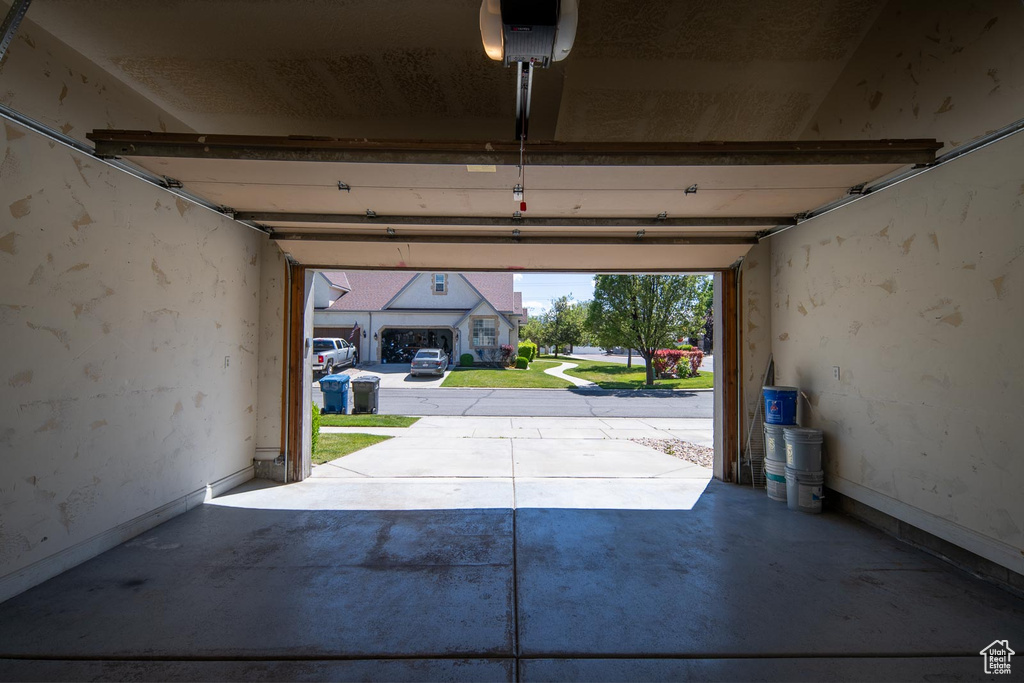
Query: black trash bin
x,y
365,394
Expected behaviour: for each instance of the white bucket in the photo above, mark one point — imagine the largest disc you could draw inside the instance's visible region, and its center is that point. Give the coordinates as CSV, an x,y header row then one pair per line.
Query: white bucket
x,y
774,443
804,490
775,480
803,448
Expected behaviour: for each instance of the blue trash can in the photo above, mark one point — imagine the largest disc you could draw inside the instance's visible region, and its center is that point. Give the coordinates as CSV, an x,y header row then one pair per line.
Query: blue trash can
x,y
335,391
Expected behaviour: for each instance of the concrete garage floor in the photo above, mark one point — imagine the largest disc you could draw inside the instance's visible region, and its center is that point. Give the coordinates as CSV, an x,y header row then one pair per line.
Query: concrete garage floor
x,y
532,560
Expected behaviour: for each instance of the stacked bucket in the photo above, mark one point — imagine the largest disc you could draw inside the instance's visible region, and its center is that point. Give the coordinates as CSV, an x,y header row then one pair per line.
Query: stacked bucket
x,y
792,463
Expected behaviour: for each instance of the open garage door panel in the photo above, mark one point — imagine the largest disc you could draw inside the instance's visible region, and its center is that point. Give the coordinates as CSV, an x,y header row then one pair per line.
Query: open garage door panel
x,y
675,206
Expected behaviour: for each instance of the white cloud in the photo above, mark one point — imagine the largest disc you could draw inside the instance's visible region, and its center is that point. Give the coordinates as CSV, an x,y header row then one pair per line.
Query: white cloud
x,y
517,277
537,306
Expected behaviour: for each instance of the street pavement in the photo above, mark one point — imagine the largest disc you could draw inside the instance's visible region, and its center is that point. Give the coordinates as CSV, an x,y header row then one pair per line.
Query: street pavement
x,y
542,402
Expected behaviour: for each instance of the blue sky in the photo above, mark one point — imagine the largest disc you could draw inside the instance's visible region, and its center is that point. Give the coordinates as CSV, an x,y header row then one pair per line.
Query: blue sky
x,y
539,289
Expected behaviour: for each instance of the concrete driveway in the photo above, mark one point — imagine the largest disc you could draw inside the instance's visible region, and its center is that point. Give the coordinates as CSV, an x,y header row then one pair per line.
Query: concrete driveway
x,y
576,463
393,376
694,430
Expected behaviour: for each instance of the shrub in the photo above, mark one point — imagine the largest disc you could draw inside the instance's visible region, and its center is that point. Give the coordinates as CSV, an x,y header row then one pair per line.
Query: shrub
x,y
680,362
466,360
316,427
528,350
508,355
522,363
685,347
666,361
695,357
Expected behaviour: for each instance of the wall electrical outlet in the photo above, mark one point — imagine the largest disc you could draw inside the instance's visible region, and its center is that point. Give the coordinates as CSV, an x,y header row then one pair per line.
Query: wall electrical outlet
x,y
227,362
835,372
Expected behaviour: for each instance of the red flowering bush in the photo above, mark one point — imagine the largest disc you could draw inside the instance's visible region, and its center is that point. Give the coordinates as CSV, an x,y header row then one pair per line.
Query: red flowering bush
x,y
508,355
677,362
666,361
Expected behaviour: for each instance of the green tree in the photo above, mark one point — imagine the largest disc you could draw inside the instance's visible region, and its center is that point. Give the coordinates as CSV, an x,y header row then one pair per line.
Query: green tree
x,y
533,330
565,323
645,312
697,305
578,315
604,335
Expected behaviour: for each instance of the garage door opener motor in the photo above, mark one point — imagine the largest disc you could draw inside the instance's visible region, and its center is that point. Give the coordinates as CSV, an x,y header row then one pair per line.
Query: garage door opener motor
x,y
528,34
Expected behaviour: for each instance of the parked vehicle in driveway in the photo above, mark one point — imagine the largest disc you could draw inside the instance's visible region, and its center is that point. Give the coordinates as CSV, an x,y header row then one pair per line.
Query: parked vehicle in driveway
x,y
429,362
330,354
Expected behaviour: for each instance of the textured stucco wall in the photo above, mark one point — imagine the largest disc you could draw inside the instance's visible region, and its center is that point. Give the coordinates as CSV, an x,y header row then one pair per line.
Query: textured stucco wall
x,y
915,293
270,390
118,306
420,294
756,332
323,293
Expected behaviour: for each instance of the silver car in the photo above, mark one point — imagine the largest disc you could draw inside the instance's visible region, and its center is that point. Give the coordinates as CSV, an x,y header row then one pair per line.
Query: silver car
x,y
429,362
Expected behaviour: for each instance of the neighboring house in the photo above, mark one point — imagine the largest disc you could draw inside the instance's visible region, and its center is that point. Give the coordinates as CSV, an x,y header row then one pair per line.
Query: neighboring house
x,y
328,287
389,315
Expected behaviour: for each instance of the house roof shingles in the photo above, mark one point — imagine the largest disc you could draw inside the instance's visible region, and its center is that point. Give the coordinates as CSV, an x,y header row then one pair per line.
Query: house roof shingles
x,y
496,288
338,278
370,290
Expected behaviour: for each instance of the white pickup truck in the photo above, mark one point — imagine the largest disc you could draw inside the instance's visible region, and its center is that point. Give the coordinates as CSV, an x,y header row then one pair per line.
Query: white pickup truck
x,y
329,354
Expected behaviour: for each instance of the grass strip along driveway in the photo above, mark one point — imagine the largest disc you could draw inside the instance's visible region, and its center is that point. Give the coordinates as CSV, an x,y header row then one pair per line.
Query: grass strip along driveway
x,y
366,420
507,378
333,446
618,376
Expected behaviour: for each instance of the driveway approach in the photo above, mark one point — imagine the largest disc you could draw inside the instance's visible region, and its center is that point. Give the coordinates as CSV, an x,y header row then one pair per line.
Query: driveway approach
x,y
542,402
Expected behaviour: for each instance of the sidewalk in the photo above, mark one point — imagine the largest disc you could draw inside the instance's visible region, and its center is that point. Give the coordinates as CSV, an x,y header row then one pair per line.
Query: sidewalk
x,y
694,430
559,372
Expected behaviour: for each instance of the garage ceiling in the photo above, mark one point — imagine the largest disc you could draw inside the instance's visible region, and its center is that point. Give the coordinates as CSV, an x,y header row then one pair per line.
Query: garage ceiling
x,y
644,70
644,79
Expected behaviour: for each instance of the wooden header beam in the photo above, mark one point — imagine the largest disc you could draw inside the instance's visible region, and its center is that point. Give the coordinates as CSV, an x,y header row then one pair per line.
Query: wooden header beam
x,y
582,240
362,220
134,143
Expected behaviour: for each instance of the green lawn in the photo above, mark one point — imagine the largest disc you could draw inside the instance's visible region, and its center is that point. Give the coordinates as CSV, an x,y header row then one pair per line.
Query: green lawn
x,y
507,378
333,446
618,376
327,420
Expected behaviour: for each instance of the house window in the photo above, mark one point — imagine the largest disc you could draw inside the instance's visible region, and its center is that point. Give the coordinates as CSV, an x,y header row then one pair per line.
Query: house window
x,y
440,283
485,333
